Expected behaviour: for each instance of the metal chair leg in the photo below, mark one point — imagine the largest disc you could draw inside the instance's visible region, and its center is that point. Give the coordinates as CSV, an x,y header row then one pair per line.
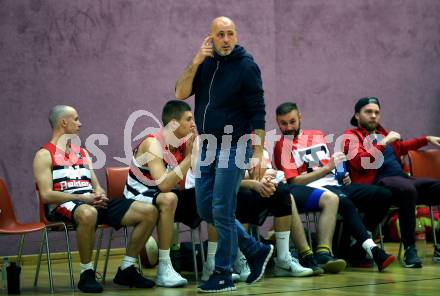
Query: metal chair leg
x,y
98,248
20,249
107,254
202,248
69,257
434,236
126,238
382,245
309,234
399,253
315,220
37,272
49,263
194,255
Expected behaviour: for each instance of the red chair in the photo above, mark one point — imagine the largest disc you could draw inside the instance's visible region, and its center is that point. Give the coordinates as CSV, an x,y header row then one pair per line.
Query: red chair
x,y
425,163
10,226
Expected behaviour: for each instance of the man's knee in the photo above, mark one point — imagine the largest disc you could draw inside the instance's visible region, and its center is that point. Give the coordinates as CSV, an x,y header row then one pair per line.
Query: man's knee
x,y
142,212
167,201
345,206
329,200
384,194
404,195
86,215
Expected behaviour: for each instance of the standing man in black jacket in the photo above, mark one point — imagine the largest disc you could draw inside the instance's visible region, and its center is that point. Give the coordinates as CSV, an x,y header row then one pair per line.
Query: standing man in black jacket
x,y
229,107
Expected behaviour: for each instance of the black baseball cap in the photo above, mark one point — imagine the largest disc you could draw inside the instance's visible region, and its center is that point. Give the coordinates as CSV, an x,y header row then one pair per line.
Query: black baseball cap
x,y
361,103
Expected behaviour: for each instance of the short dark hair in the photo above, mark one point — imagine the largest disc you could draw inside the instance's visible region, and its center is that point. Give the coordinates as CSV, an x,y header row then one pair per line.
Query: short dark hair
x,y
285,108
174,109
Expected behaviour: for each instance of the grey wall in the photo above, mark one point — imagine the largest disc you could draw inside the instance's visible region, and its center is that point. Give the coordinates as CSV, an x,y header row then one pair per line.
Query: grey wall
x,y
110,58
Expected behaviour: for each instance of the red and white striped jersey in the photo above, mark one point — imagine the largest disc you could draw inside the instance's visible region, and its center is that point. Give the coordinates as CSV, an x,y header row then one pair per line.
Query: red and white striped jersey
x,y
70,173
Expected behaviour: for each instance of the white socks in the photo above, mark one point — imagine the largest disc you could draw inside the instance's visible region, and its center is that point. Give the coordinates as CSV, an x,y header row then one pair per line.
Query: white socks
x,y
282,242
127,261
164,256
83,267
368,245
212,248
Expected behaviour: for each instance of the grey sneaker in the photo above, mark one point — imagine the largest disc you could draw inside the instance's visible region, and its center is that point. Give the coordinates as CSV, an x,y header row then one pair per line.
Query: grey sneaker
x,y
411,259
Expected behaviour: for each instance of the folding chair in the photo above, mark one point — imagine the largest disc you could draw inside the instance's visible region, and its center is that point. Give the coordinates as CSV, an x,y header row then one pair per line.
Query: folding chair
x,y
426,164
9,225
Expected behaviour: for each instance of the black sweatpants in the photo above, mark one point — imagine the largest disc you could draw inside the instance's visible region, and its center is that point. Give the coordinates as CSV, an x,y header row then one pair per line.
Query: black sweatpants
x,y
407,192
373,201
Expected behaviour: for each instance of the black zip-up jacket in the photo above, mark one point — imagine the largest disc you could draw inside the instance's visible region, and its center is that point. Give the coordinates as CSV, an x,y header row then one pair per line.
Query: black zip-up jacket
x,y
228,91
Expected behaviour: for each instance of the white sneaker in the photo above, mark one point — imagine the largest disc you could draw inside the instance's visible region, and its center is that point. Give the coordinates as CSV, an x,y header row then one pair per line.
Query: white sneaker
x,y
208,269
168,277
290,267
241,267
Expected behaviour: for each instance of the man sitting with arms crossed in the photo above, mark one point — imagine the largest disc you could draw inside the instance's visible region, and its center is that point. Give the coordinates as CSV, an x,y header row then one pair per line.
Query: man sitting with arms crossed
x,y
66,179
368,141
304,157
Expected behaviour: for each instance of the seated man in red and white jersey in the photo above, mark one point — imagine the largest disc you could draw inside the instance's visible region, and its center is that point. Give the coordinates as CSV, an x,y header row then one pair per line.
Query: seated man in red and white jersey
x,y
304,158
159,165
66,181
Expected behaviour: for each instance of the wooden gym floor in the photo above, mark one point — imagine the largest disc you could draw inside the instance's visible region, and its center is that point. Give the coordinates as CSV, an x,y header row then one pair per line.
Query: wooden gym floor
x,y
396,280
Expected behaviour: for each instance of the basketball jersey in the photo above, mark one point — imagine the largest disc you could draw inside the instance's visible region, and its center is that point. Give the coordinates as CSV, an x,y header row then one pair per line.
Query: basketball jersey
x,y
70,173
308,152
140,184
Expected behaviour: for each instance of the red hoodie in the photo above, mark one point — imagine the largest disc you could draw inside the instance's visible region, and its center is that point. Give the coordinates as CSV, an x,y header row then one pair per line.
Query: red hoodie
x,y
355,150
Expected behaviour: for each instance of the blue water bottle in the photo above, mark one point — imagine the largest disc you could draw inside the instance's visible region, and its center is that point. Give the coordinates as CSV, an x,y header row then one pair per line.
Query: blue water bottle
x,y
341,170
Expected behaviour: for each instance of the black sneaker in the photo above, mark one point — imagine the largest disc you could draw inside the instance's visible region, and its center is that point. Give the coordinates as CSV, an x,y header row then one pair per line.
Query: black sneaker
x,y
436,256
382,259
257,263
357,257
132,278
309,262
410,259
87,282
329,263
217,282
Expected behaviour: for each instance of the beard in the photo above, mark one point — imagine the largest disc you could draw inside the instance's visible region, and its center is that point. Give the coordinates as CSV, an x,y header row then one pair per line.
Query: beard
x,y
370,127
293,132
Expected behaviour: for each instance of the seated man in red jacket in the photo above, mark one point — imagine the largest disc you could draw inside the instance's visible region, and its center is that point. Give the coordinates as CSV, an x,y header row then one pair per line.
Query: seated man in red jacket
x,y
374,155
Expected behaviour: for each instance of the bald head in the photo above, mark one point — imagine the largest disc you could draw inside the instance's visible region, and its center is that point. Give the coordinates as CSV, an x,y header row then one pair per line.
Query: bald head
x,y
221,21
58,112
224,35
